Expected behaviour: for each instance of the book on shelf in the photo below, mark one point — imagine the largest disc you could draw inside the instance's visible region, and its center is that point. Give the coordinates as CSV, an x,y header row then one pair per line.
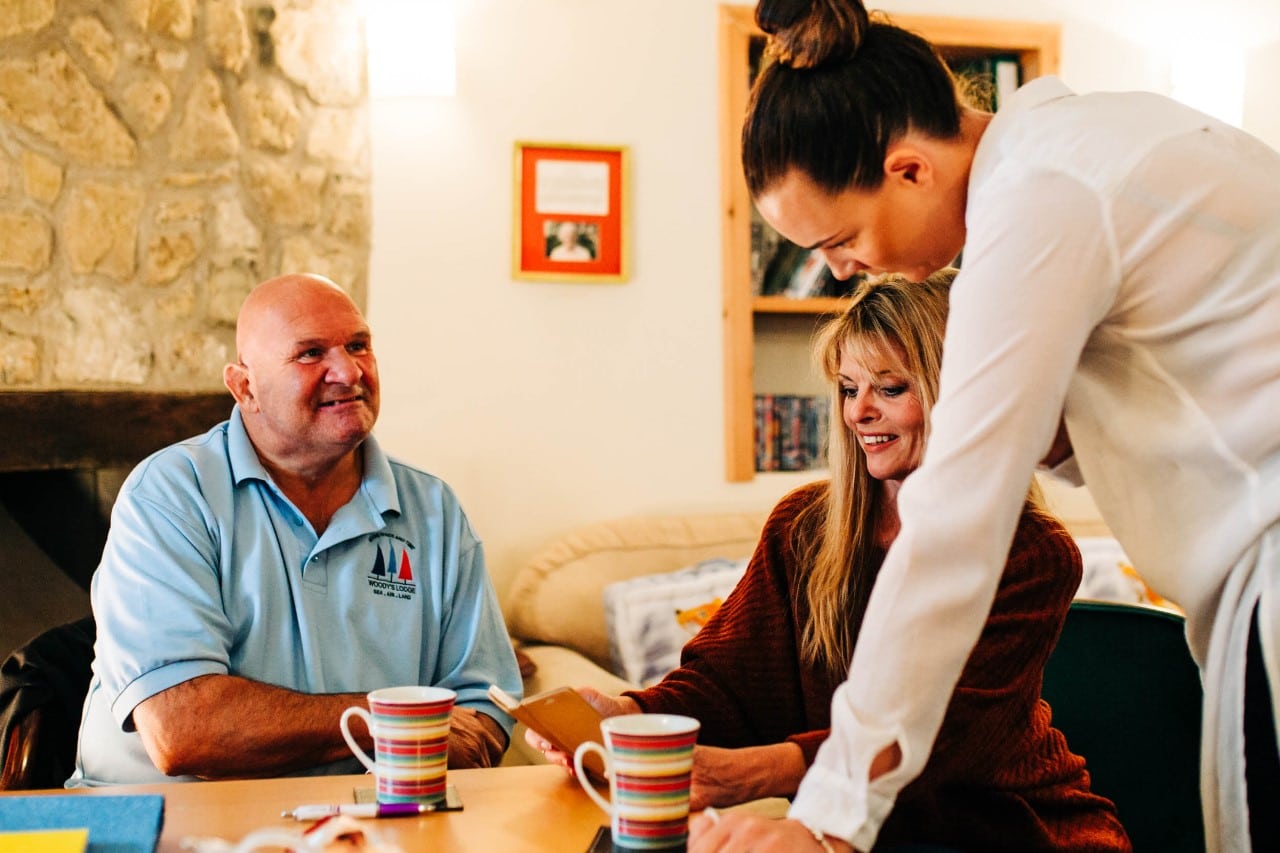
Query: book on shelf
x,y
787,257
764,245
989,80
764,446
808,279
791,444
1008,77
816,415
790,432
800,273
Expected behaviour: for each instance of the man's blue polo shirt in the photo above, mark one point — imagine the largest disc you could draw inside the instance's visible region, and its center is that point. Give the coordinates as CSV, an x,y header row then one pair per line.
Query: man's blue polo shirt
x,y
210,569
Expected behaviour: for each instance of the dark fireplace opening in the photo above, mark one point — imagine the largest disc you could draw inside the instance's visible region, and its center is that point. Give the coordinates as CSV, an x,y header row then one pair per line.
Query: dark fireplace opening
x,y
64,513
63,456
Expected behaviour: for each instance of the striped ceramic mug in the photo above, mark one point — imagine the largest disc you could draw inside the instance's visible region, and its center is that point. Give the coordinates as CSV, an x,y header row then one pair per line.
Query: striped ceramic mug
x,y
649,761
410,727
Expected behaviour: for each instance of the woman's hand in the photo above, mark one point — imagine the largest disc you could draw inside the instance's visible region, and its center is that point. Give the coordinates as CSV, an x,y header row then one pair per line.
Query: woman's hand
x,y
735,831
606,706
726,777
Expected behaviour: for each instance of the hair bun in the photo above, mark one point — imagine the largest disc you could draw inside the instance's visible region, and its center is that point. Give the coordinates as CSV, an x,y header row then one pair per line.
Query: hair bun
x,y
807,33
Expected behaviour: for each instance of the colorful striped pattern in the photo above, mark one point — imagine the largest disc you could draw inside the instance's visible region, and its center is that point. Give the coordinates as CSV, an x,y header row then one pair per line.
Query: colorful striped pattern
x,y
651,762
410,728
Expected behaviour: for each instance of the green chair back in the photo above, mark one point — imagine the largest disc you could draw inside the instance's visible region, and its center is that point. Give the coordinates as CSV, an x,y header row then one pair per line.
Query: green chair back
x,y
1127,694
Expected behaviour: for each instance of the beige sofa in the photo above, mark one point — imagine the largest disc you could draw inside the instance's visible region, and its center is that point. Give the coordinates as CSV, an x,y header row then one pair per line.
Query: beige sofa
x,y
554,609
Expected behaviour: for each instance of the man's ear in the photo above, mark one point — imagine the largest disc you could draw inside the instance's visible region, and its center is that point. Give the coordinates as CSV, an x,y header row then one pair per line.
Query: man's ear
x,y
236,377
907,164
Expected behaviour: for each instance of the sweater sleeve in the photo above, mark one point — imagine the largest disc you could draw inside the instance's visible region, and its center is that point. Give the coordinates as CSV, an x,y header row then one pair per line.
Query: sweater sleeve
x,y
809,743
740,675
999,686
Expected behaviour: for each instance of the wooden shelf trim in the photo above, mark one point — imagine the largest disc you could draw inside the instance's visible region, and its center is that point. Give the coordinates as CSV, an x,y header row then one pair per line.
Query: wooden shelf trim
x,y
787,305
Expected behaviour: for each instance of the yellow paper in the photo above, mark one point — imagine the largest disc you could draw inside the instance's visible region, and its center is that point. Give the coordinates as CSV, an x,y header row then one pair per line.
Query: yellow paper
x,y
45,841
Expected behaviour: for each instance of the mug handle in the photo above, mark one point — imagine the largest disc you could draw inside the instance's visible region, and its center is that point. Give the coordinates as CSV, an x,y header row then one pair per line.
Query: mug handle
x,y
357,711
578,755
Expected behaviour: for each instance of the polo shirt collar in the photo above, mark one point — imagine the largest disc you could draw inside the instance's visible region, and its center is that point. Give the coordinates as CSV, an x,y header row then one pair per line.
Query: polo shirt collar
x,y
377,481
245,464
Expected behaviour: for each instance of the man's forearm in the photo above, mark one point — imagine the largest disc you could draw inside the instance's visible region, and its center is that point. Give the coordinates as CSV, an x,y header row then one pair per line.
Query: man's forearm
x,y
225,726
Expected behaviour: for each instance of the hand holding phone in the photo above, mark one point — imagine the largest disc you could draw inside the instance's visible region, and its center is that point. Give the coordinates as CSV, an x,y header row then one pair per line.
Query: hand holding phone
x,y
561,715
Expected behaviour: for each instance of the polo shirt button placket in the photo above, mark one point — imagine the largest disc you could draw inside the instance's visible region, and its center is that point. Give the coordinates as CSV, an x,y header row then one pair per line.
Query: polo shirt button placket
x,y
315,571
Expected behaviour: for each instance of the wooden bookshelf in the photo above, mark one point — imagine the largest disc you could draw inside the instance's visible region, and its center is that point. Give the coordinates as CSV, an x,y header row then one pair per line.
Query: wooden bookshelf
x,y
1036,46
787,305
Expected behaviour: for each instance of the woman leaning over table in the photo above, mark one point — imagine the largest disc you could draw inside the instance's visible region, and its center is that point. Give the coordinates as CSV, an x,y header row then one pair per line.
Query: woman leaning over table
x,y
760,674
1120,296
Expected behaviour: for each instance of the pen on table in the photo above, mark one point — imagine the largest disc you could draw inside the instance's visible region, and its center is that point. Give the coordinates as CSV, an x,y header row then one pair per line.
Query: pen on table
x,y
360,810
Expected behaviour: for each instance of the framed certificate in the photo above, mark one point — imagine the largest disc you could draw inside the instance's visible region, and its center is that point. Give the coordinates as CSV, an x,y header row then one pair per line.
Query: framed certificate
x,y
571,213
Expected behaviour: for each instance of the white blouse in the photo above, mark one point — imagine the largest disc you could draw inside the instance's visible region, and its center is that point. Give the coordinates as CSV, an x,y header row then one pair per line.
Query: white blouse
x,y
1122,265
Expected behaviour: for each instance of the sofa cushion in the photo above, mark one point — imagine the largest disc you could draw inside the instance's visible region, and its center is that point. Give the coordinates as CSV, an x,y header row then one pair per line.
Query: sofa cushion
x,y
558,596
648,619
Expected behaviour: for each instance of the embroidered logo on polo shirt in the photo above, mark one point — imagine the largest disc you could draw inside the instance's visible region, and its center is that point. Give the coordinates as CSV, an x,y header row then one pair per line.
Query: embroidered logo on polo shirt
x,y
392,575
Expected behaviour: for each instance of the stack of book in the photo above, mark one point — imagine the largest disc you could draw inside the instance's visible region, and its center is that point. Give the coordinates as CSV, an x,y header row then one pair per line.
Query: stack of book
x,y
790,432
781,268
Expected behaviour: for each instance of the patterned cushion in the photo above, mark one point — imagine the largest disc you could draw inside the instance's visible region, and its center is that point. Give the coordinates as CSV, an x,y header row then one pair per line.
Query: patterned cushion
x,y
555,599
641,615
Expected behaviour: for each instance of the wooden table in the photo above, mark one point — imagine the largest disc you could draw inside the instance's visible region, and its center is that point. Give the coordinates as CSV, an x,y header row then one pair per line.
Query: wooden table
x,y
535,808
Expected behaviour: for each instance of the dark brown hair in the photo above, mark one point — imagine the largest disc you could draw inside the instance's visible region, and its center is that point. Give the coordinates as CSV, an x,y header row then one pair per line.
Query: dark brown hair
x,y
841,87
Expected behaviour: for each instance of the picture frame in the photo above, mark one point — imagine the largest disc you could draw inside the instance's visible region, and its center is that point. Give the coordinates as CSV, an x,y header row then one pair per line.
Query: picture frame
x,y
571,220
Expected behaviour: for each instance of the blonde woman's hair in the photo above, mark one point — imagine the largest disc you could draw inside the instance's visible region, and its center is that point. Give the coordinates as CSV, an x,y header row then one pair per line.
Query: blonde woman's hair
x,y
902,322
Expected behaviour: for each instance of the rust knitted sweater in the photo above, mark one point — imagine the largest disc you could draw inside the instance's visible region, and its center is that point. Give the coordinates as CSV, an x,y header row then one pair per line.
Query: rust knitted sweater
x,y
1000,777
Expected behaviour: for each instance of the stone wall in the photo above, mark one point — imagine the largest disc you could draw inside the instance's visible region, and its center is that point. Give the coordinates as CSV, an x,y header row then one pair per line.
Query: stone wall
x,y
157,159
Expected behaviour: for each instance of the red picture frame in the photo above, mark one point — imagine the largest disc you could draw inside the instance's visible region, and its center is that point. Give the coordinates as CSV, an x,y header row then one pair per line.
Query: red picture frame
x,y
571,212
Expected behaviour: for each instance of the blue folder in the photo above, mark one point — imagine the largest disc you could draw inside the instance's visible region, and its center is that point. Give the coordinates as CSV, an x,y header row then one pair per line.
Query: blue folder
x,y
117,823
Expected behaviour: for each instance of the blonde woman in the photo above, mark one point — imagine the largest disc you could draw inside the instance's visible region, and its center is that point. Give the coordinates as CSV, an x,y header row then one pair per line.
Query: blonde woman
x,y
760,675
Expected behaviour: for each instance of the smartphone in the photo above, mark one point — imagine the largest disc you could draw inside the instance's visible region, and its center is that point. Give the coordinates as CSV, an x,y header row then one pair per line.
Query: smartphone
x,y
562,716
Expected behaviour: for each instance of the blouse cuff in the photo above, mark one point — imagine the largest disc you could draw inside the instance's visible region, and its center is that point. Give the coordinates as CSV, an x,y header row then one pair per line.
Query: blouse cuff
x,y
830,803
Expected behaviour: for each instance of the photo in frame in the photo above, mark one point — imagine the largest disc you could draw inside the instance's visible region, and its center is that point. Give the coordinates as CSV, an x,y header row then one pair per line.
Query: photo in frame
x,y
571,213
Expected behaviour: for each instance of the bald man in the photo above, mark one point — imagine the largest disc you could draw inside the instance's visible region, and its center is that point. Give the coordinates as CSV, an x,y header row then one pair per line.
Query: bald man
x,y
262,577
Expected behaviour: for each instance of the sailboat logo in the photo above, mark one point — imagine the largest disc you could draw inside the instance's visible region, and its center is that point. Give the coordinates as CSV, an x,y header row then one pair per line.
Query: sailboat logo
x,y
392,575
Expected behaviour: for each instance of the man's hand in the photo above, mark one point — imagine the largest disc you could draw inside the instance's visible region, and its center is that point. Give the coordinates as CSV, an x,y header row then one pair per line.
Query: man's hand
x,y
736,831
475,739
